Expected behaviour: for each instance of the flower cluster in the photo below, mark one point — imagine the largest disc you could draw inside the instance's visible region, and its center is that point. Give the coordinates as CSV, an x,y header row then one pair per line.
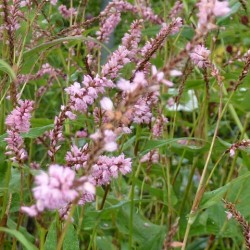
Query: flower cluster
x,y
200,55
107,168
55,189
46,69
19,118
131,40
12,16
209,9
165,30
238,145
158,126
108,137
153,45
107,26
117,60
77,157
15,147
67,13
18,121
130,86
151,156
142,110
24,3
56,134
53,2
81,96
123,6
234,213
177,8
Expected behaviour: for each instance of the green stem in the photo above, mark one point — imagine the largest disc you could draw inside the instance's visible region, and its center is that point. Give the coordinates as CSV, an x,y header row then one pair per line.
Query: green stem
x,y
131,193
107,188
169,188
6,192
66,225
42,235
215,166
201,187
131,211
92,237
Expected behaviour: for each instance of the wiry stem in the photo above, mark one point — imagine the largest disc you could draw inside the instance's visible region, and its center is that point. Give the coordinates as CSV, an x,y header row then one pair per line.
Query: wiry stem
x,y
202,184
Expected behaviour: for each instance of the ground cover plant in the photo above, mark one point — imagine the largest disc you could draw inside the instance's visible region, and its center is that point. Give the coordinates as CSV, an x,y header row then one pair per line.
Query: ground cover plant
x,y
124,124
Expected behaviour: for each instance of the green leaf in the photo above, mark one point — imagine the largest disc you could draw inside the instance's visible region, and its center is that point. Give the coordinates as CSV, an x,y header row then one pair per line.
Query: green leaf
x,y
19,236
104,243
154,144
71,241
213,197
35,132
145,233
151,31
51,239
5,67
13,225
129,143
14,184
38,49
40,122
2,137
187,32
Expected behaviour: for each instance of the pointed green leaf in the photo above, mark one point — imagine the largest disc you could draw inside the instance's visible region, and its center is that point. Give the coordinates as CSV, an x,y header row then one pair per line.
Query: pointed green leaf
x,y
20,237
5,67
71,241
51,239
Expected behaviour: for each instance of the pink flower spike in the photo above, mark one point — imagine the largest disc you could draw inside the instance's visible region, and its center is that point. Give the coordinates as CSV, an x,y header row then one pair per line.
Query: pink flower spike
x,y
30,211
53,2
175,72
81,134
151,156
177,24
107,168
167,83
117,60
89,188
209,9
57,189
67,13
77,157
96,136
18,121
124,85
229,215
106,104
70,115
108,25
110,141
19,118
83,95
158,126
159,77
110,146
232,152
200,55
221,8
25,3
157,74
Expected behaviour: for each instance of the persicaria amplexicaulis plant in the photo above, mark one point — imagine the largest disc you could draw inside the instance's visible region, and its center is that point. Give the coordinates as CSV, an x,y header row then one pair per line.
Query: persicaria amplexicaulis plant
x,y
124,124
